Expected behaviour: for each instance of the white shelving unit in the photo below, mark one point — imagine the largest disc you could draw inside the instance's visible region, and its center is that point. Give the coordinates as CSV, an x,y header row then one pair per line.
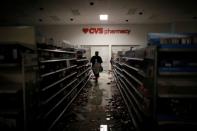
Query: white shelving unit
x,y
130,77
62,77
18,90
160,88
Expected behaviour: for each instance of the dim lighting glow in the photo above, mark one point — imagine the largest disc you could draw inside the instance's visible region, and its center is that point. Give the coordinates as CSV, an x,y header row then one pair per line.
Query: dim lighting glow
x,y
103,17
103,127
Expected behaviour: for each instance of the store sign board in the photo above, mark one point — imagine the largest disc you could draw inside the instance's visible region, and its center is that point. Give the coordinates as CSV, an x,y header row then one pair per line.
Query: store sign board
x,y
105,31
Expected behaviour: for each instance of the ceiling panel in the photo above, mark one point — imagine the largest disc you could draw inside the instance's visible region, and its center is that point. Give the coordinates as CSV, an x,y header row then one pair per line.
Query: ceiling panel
x,y
82,12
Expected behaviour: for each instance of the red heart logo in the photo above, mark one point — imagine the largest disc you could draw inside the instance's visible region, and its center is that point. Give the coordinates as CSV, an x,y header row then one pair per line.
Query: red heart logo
x,y
85,30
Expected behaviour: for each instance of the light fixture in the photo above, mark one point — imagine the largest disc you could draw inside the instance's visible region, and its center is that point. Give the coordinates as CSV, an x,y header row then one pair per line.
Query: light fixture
x,y
91,3
103,127
103,17
71,19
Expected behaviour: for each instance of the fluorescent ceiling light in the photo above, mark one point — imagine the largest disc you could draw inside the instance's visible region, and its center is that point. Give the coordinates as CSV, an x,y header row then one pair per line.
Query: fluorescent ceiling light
x,y
103,17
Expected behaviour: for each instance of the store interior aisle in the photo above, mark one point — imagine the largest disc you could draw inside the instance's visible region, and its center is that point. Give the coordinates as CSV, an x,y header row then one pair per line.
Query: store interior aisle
x,y
90,111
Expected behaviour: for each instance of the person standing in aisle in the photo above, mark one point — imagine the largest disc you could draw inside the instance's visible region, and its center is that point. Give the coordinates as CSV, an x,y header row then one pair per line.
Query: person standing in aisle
x,y
96,61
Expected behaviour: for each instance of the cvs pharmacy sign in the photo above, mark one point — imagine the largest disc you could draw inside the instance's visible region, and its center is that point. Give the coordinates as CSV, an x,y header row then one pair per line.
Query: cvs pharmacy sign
x,y
106,31
93,30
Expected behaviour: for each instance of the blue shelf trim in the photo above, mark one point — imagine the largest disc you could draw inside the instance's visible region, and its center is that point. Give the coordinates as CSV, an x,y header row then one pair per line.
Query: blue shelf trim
x,y
178,69
154,38
170,46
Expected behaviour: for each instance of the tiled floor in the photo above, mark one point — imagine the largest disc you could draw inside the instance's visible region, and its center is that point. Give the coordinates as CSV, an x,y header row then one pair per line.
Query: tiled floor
x,y
91,115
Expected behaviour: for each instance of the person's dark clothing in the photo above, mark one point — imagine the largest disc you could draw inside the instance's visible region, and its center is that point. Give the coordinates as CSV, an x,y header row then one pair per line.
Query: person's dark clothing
x,y
96,63
96,59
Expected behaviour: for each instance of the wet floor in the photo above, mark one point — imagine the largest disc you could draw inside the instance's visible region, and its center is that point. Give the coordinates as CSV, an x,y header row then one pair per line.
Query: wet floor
x,y
93,107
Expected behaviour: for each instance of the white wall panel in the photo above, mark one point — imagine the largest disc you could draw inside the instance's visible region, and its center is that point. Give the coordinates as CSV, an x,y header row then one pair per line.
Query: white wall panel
x,y
186,27
75,34
104,53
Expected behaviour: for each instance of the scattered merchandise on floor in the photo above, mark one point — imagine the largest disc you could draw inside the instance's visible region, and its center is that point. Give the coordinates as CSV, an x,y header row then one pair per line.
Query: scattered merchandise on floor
x,y
98,104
